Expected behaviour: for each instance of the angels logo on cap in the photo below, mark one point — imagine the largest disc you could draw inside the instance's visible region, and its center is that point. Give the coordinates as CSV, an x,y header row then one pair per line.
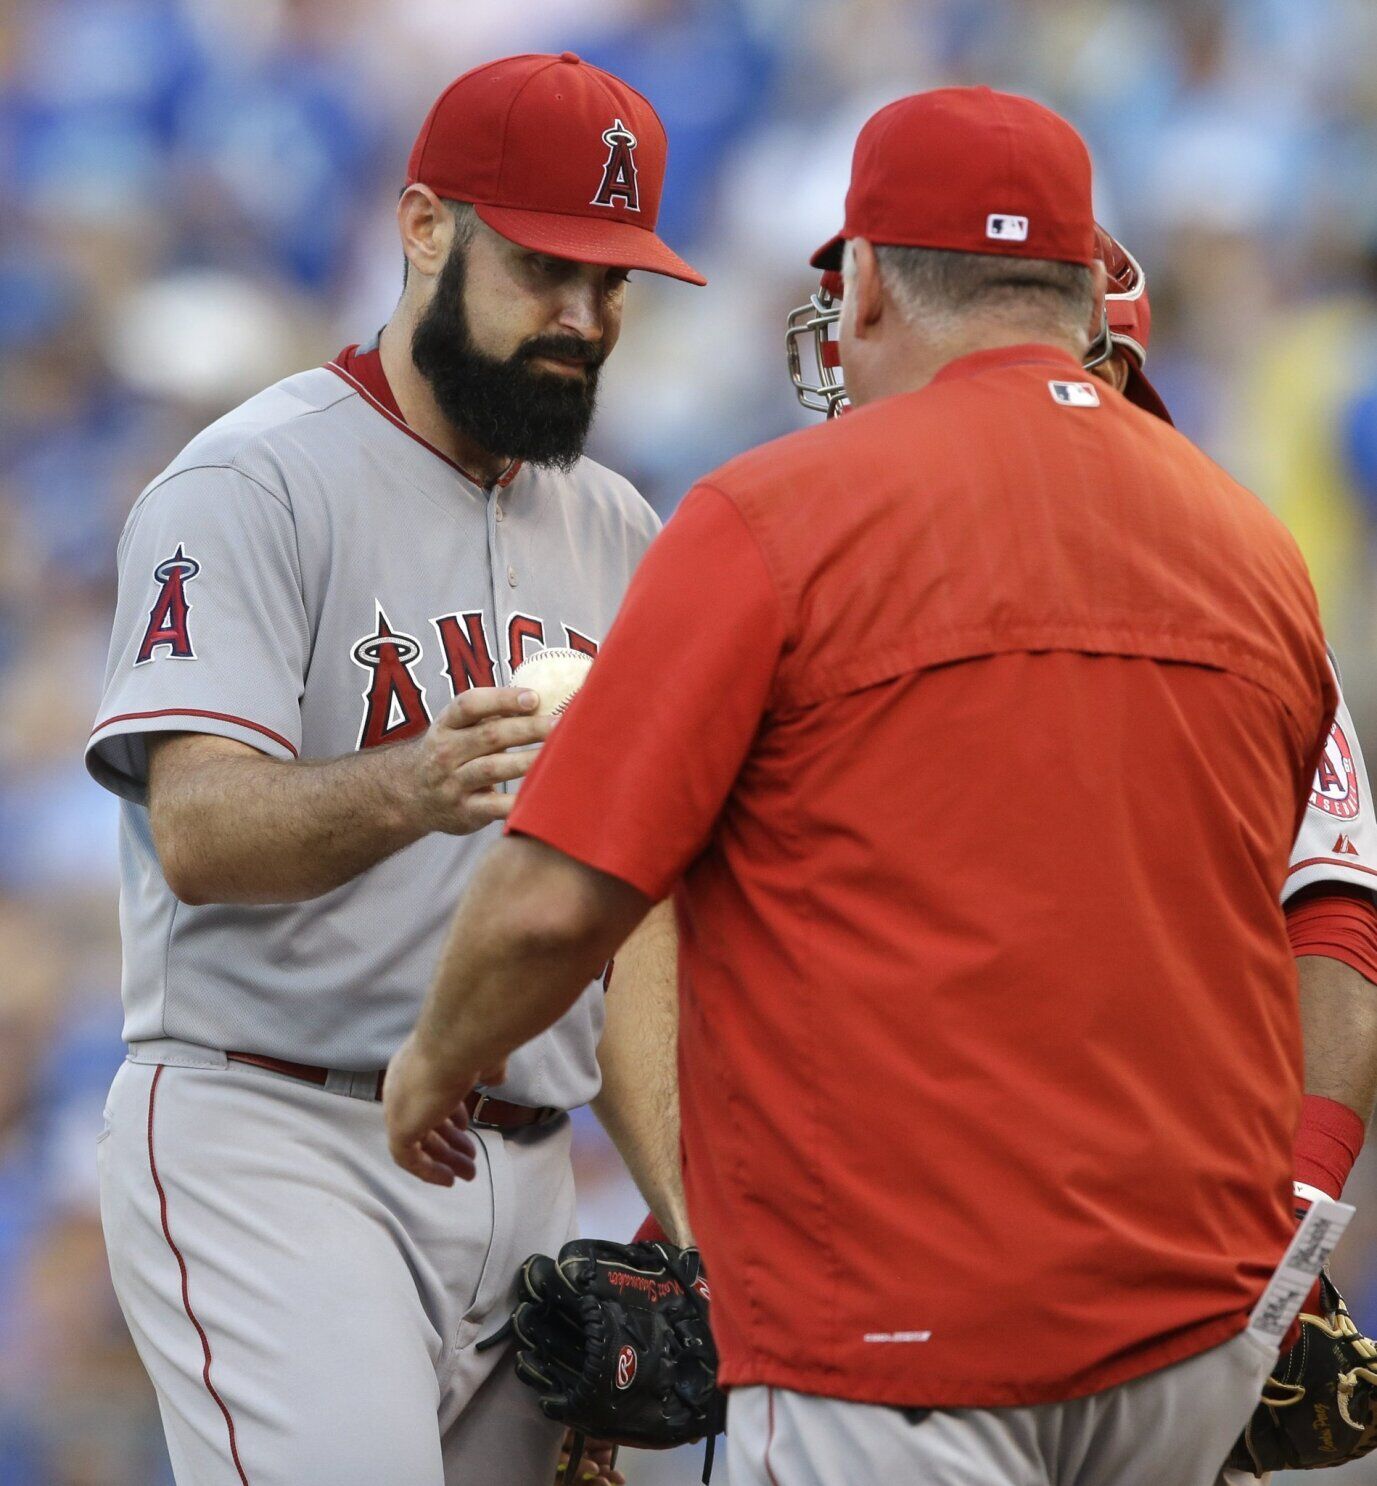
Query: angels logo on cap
x,y
619,173
555,155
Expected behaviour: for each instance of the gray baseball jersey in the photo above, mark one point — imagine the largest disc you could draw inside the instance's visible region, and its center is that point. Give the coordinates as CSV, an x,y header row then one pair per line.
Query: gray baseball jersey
x,y
1338,837
310,577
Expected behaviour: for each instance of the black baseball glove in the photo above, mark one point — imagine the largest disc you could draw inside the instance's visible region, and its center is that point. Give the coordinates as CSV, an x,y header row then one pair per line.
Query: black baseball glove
x,y
614,1340
1317,1408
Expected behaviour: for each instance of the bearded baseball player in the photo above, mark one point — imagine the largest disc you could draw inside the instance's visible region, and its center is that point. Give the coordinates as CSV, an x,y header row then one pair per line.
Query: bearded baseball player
x,y
308,716
976,798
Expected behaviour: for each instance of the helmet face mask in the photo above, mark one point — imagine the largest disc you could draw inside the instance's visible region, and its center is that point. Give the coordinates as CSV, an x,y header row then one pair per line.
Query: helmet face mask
x,y
1124,324
810,337
1102,346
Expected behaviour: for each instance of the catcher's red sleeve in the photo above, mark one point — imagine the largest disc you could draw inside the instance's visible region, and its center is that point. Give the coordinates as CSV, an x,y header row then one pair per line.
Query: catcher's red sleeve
x,y
1335,921
1328,1140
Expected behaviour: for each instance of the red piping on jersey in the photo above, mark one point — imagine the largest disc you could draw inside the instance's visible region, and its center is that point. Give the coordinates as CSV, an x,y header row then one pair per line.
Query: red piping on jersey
x,y
243,722
1331,862
387,405
770,1436
186,1290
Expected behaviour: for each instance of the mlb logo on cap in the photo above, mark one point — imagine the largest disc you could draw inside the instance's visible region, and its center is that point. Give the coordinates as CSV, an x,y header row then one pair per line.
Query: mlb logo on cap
x,y
1006,228
969,170
1075,394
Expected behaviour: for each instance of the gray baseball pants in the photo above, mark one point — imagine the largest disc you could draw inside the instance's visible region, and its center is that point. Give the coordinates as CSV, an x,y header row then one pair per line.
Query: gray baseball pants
x,y
306,1310
1173,1427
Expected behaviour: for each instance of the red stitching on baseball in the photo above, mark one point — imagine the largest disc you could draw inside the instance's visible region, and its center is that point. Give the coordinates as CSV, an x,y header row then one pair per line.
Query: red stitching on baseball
x,y
186,1291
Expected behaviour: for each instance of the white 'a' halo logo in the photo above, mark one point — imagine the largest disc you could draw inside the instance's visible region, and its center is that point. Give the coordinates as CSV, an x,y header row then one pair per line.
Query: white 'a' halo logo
x,y
619,182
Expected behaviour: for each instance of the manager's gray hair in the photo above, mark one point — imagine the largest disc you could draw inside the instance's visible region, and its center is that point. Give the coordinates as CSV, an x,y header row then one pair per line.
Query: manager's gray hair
x,y
938,289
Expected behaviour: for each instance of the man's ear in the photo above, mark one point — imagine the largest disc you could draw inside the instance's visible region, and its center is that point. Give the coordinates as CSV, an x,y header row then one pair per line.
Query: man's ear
x,y
426,228
867,287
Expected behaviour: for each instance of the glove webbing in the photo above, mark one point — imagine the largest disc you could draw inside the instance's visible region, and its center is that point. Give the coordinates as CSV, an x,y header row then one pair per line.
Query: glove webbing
x,y
717,1420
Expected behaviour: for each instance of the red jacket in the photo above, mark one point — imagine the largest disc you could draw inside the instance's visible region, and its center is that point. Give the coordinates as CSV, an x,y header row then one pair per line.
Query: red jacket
x,y
974,729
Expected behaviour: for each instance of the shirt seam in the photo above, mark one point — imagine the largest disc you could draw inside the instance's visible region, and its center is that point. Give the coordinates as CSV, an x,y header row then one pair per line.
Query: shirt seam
x,y
947,1391
282,499
967,374
929,653
248,442
217,464
823,1221
167,956
506,120
780,604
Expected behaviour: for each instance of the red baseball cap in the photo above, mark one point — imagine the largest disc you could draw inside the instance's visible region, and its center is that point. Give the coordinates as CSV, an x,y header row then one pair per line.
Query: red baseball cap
x,y
972,171
555,155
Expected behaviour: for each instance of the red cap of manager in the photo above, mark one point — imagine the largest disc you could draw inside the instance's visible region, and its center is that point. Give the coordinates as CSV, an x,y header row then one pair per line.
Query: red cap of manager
x,y
972,171
555,155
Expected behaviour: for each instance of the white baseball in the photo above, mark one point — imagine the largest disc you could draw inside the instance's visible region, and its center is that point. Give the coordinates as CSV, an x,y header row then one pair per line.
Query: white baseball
x,y
554,676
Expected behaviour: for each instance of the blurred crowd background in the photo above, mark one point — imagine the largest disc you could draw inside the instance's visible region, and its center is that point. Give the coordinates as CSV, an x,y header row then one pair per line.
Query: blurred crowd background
x,y
196,198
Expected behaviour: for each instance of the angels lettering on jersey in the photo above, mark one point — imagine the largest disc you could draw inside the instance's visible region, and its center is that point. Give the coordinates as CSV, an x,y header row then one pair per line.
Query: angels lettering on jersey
x,y
395,706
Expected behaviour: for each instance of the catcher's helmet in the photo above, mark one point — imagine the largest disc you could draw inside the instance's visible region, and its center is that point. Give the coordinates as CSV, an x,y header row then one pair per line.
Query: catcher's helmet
x,y
1127,322
816,324
1125,326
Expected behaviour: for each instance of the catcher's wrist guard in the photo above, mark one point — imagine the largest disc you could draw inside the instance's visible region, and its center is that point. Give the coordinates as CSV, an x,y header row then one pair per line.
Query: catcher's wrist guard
x,y
1317,1407
614,1340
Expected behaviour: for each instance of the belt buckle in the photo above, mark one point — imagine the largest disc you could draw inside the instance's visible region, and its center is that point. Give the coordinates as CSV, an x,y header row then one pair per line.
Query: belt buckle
x,y
476,1113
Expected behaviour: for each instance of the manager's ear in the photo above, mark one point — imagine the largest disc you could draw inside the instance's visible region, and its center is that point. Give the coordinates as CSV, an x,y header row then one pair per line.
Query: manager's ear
x,y
867,288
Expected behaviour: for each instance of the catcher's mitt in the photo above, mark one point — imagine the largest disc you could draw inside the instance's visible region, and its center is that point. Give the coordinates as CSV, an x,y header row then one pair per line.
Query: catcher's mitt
x,y
614,1340
1317,1408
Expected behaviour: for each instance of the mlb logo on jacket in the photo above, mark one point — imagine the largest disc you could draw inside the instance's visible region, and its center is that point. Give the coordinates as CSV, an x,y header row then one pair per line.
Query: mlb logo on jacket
x,y
1075,394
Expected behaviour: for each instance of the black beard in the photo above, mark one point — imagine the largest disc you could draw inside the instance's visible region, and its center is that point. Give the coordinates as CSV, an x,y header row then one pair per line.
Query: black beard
x,y
506,407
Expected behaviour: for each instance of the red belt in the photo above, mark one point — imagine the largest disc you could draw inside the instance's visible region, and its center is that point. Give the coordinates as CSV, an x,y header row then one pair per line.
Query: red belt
x,y
484,1111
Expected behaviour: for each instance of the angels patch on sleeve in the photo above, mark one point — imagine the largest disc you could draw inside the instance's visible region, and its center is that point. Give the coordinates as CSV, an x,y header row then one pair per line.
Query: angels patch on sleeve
x,y
169,627
1335,790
